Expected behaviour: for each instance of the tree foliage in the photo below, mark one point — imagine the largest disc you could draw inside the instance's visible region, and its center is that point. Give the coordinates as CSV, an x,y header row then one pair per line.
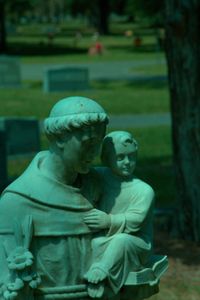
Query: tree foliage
x,y
153,9
2,28
97,12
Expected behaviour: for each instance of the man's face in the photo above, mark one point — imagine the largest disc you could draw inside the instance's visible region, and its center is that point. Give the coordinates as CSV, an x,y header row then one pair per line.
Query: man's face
x,y
82,146
122,160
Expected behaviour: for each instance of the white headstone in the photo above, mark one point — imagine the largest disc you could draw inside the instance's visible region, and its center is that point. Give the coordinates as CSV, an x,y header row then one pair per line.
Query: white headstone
x,y
64,79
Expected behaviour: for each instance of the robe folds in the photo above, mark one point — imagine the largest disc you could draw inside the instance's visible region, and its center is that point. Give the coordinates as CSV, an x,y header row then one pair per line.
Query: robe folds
x,y
61,241
127,245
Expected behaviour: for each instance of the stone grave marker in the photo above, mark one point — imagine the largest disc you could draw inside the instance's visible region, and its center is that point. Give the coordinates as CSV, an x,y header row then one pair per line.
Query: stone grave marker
x,y
3,160
22,135
10,73
64,79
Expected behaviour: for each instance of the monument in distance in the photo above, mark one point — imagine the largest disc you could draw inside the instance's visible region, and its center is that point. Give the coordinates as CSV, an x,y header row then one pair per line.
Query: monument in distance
x,y
66,79
72,231
10,72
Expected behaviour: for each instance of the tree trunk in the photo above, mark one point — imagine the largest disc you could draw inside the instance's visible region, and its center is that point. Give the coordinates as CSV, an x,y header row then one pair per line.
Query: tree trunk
x,y
100,11
2,28
183,56
104,12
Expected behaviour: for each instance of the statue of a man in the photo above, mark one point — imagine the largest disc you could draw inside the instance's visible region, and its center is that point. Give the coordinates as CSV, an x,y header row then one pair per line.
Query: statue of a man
x,y
45,246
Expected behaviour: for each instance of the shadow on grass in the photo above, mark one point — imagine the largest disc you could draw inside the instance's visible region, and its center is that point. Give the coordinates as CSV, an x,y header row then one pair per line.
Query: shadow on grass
x,y
149,82
149,48
157,171
104,84
42,49
187,252
62,34
145,83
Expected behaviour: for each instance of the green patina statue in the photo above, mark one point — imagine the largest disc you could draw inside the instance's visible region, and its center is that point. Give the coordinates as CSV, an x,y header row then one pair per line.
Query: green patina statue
x,y
69,231
125,211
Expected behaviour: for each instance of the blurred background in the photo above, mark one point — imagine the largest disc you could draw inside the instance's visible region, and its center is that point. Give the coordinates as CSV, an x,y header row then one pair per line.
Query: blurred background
x,y
138,59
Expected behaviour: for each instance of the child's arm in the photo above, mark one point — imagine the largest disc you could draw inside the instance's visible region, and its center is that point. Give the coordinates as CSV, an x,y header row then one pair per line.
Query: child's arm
x,y
137,214
133,219
129,222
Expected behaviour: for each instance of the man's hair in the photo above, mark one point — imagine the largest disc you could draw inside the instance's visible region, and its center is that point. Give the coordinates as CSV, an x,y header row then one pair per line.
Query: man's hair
x,y
121,137
73,113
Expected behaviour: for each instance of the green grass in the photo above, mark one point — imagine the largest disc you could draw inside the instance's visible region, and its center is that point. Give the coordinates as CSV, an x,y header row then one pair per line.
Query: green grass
x,y
173,289
34,51
159,68
115,97
31,43
155,161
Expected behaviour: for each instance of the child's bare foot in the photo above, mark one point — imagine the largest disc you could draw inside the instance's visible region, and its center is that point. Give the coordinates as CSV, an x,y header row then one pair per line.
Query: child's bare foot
x,y
95,290
95,275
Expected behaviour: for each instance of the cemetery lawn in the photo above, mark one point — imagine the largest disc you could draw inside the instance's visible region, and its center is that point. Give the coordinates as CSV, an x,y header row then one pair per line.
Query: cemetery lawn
x,y
81,56
116,97
158,69
181,280
31,43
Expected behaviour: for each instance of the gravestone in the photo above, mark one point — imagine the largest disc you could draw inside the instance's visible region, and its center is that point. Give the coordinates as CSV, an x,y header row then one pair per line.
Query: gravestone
x,y
64,79
22,135
10,74
19,138
3,160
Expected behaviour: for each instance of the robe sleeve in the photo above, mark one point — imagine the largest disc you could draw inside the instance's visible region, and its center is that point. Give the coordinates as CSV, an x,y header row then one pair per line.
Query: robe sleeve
x,y
9,243
4,274
6,242
138,211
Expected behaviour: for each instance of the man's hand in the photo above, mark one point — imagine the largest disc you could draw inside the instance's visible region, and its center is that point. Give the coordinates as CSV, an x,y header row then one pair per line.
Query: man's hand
x,y
97,219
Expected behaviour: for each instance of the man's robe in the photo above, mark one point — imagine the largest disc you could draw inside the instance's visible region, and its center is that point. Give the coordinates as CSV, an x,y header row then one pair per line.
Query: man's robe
x,y
61,243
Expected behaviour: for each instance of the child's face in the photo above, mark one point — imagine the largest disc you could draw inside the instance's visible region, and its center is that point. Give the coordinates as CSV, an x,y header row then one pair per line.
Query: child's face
x,y
123,161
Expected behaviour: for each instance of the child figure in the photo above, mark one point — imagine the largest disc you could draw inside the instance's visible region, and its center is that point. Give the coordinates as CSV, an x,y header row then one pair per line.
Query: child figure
x,y
125,214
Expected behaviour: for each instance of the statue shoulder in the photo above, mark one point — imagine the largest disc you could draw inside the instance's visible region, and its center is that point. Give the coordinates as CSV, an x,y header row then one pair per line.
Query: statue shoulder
x,y
9,198
144,188
12,206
